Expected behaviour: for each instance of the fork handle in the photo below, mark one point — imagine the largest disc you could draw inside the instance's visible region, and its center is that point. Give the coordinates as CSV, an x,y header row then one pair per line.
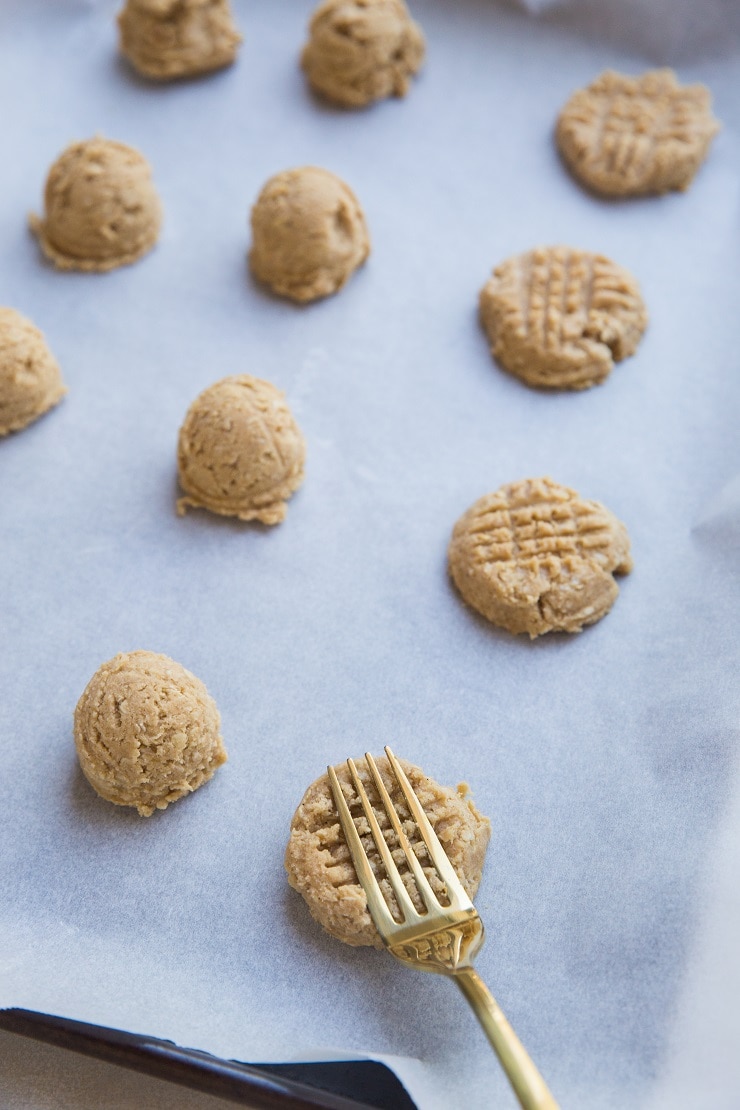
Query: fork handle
x,y
527,1082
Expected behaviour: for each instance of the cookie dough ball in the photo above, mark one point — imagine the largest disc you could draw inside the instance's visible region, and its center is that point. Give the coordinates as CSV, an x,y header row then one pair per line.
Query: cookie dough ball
x,y
165,39
559,318
147,732
30,379
102,210
308,234
362,50
240,451
535,557
320,867
630,136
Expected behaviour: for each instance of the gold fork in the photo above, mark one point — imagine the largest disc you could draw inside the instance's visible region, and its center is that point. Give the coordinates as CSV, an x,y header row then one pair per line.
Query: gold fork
x,y
443,939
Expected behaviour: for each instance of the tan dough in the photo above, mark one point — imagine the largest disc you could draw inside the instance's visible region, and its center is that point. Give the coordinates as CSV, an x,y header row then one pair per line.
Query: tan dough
x,y
535,557
30,379
362,50
165,39
318,861
629,136
308,234
147,732
240,451
102,210
559,318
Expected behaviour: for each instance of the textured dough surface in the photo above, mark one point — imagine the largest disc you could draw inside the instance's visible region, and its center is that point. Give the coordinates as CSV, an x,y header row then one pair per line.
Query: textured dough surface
x,y
308,234
147,732
318,861
240,452
535,557
166,39
630,136
559,318
101,207
362,50
30,379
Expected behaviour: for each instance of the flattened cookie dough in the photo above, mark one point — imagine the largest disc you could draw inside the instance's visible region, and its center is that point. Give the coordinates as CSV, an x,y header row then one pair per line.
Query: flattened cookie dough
x,y
318,862
166,39
30,379
240,452
559,318
630,136
535,557
308,234
360,51
147,732
102,210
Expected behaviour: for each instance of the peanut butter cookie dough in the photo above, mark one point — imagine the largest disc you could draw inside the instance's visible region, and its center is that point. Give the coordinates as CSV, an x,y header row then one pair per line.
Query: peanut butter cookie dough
x,y
360,51
318,861
147,732
629,136
308,234
559,318
30,379
166,39
240,452
535,557
102,210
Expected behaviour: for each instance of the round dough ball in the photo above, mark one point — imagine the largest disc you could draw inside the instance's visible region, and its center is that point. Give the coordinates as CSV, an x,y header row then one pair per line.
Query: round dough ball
x,y
559,318
240,451
535,557
102,210
165,39
318,861
308,234
362,50
631,136
30,379
147,732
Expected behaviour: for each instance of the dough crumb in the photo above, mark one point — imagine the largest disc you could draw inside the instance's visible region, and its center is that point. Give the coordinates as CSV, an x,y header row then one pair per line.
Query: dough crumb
x,y
167,39
318,861
102,210
30,379
559,318
360,51
147,732
240,452
535,557
632,136
308,234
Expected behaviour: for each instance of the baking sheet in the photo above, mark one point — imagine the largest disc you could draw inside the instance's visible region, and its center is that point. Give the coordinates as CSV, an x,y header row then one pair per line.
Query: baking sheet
x,y
607,761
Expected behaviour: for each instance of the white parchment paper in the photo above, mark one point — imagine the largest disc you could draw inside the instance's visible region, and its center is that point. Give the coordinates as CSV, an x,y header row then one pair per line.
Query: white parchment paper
x,y
607,761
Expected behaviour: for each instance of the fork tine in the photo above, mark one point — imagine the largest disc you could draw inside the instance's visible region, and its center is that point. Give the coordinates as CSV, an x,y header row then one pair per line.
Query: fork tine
x,y
455,890
402,896
376,903
425,890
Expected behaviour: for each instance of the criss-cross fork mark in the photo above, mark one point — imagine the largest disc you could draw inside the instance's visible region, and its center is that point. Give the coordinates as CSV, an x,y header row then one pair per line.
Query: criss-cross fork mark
x,y
554,285
533,526
626,127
